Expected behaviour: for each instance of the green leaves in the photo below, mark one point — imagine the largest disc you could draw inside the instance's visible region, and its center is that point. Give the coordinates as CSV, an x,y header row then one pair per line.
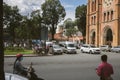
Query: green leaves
x,y
21,27
11,18
80,14
53,13
70,27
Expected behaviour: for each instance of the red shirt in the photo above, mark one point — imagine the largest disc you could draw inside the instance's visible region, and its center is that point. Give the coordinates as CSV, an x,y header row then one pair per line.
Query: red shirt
x,y
105,69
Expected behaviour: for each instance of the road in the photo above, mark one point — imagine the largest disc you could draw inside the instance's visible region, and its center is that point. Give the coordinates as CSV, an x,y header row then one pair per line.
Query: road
x,y
79,66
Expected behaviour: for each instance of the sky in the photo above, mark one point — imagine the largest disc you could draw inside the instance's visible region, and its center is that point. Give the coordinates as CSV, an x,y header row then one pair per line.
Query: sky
x,y
27,6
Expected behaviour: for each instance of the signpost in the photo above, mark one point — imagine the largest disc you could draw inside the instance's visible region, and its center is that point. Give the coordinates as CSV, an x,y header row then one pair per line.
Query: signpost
x,y
44,36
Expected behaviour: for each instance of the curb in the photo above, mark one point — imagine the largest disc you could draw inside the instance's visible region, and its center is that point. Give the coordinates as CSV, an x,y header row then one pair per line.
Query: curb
x,y
32,55
23,55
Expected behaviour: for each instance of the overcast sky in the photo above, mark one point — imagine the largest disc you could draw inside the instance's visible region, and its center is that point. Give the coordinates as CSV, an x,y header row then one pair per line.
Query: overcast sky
x,y
27,6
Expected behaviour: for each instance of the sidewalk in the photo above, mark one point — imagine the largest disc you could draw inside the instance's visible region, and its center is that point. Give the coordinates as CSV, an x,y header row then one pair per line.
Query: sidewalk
x,y
28,55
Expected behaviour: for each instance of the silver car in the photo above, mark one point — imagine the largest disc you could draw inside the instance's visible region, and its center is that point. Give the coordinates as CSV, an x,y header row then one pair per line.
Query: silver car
x,y
55,49
116,49
105,48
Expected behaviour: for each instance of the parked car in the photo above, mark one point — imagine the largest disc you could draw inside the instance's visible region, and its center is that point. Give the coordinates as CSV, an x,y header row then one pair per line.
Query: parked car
x,y
115,49
55,49
62,45
105,48
70,47
88,48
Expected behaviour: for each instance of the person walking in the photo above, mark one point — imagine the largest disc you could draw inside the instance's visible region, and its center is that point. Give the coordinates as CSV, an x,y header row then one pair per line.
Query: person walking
x,y
104,70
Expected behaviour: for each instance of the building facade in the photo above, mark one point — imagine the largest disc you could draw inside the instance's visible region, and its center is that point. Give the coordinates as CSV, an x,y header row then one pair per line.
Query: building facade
x,y
103,22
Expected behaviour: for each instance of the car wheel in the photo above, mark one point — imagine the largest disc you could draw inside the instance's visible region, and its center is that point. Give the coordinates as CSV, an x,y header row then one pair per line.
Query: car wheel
x,y
118,51
90,52
82,51
53,53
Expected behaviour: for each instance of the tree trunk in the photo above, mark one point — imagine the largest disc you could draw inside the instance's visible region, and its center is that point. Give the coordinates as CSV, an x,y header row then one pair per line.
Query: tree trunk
x,y
1,43
53,31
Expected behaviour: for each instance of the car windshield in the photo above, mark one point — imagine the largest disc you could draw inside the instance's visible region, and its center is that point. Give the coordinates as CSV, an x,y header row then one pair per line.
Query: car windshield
x,y
93,47
104,46
71,45
115,47
56,46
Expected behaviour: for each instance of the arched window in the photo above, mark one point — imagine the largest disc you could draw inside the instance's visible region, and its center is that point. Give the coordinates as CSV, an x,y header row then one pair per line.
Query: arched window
x,y
94,19
91,20
92,6
111,15
104,17
108,16
95,5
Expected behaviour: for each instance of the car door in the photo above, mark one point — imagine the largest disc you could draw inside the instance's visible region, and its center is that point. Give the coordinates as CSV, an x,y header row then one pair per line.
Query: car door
x,y
86,48
118,49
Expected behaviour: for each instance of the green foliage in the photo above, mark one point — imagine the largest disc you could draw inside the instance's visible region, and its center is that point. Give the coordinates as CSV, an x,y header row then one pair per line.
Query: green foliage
x,y
11,19
21,27
80,14
71,31
9,52
69,23
12,49
53,13
70,27
30,27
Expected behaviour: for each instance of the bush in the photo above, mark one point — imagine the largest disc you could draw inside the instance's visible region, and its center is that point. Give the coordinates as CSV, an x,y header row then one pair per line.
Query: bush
x,y
16,49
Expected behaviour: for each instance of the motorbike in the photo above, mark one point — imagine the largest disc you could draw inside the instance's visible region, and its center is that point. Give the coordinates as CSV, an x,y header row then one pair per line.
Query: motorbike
x,y
30,74
39,51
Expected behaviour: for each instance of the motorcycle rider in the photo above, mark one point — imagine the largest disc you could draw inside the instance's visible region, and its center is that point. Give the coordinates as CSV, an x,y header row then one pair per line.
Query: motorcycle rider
x,y
21,70
18,67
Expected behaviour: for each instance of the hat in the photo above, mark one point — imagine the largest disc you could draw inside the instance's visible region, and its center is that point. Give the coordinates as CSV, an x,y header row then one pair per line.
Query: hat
x,y
19,55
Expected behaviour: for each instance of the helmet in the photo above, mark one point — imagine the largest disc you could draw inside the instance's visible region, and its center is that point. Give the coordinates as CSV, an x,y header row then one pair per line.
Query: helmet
x,y
19,55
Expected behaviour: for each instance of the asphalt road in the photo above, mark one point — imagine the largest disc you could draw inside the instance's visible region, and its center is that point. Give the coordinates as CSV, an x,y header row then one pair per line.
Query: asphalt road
x,y
79,66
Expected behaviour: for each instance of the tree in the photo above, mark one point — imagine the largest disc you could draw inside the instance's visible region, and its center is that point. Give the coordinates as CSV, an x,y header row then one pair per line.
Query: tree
x,y
21,31
30,28
11,19
53,13
2,77
37,20
80,14
71,31
69,25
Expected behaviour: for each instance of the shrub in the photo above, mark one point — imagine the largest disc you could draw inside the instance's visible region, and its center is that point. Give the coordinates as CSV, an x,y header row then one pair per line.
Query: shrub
x,y
17,49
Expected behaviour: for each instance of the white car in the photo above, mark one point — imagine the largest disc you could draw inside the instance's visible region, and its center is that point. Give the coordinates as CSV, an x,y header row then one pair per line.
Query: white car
x,y
70,47
115,49
90,49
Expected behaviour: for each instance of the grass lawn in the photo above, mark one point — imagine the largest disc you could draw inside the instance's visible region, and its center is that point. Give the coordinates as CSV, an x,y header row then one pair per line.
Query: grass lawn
x,y
9,52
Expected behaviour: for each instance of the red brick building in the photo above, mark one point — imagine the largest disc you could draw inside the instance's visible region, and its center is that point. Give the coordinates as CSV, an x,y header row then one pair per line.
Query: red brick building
x,y
103,22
